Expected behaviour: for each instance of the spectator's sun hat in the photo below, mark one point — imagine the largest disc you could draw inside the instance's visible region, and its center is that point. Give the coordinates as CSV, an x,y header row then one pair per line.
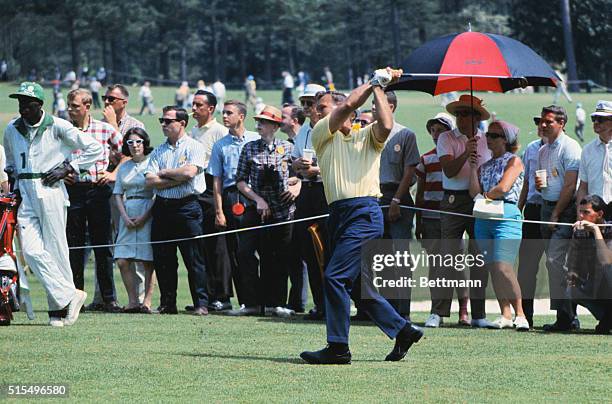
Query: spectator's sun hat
x,y
467,101
311,90
443,119
269,113
603,108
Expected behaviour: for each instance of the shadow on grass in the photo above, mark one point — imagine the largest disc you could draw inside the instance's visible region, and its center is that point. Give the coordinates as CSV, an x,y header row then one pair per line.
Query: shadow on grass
x,y
295,361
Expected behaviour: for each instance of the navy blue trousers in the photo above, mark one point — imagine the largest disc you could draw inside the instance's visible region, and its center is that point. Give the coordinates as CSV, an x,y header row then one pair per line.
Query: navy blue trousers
x,y
351,223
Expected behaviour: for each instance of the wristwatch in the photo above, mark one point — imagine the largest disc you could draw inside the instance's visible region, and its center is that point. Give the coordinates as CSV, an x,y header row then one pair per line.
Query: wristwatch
x,y
396,200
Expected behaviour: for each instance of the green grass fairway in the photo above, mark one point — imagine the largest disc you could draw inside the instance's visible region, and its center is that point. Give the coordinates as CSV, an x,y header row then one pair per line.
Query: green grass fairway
x,y
182,358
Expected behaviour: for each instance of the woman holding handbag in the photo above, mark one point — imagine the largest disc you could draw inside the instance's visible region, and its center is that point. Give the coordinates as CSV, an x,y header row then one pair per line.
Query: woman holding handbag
x,y
501,179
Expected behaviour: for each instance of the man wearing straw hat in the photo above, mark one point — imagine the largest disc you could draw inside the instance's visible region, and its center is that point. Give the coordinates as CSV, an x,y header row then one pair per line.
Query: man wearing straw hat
x,y
350,164
454,149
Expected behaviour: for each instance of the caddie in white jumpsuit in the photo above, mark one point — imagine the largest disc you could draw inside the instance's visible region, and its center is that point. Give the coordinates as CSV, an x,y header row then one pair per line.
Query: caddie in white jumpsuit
x,y
37,147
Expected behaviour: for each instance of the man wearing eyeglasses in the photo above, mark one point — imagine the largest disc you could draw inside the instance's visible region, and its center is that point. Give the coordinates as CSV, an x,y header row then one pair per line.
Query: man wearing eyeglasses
x,y
311,200
90,207
176,174
596,161
115,114
454,149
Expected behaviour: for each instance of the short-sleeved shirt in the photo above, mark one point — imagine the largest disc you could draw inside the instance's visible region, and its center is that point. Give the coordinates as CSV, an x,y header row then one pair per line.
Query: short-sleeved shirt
x,y
430,170
400,151
596,168
492,172
208,135
254,158
131,180
452,143
530,160
303,140
225,155
111,141
186,151
558,158
350,164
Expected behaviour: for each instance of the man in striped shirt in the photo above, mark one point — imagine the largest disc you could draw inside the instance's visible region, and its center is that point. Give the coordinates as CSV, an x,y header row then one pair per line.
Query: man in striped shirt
x,y
429,195
89,193
176,174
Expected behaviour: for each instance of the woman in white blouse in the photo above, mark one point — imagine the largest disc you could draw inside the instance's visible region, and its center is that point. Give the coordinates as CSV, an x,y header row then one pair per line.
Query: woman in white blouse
x,y
134,202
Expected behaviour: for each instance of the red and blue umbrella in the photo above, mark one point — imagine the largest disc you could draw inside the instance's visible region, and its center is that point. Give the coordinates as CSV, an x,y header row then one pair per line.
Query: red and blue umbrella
x,y
474,61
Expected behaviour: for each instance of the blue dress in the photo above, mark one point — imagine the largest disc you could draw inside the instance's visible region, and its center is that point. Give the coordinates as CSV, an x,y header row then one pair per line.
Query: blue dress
x,y
500,240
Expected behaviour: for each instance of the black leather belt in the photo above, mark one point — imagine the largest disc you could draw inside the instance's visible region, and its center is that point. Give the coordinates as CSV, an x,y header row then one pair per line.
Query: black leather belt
x,y
29,176
312,184
179,201
136,197
549,203
457,192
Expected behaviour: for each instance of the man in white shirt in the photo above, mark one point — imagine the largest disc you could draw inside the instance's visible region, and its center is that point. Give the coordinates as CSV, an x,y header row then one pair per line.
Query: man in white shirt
x,y
580,117
595,171
287,88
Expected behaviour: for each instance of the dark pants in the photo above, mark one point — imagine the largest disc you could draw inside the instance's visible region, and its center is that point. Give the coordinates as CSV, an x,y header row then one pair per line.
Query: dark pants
x,y
266,285
174,219
287,96
218,265
453,228
557,245
401,232
351,223
311,202
532,249
89,212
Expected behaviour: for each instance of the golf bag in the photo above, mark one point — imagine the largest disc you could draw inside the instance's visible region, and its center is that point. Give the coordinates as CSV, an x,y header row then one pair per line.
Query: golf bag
x,y
9,299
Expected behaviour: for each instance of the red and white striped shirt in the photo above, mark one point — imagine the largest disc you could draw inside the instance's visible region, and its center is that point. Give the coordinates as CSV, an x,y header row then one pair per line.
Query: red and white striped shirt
x,y
111,141
430,170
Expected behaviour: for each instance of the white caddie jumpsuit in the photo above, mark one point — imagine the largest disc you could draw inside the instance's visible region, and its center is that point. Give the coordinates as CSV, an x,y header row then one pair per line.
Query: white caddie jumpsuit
x,y
41,218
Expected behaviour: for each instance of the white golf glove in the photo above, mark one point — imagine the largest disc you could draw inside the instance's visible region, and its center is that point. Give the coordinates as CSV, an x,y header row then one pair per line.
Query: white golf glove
x,y
381,78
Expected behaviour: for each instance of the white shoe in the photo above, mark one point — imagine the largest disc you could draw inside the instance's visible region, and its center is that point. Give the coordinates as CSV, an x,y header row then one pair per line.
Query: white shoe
x,y
433,321
283,312
56,322
74,308
244,311
481,323
502,322
521,324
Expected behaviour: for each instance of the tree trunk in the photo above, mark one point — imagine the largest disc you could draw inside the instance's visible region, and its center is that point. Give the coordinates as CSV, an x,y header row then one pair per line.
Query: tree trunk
x,y
116,60
395,28
74,49
569,45
183,63
164,57
222,70
214,43
242,58
268,58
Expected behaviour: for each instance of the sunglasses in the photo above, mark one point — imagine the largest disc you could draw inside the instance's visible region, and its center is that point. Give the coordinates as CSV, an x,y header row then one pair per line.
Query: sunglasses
x,y
307,103
465,114
111,99
600,119
133,142
362,122
167,121
536,121
492,135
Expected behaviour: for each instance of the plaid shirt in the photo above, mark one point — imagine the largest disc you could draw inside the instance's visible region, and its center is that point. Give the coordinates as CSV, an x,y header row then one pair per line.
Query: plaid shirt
x,y
127,123
255,156
111,141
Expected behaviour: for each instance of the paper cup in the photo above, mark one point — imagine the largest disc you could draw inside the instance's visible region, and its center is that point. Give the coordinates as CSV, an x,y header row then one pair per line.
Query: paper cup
x,y
308,154
541,174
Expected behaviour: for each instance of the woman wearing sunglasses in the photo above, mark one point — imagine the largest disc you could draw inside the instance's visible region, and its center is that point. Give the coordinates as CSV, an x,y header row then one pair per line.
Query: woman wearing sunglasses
x,y
134,202
501,178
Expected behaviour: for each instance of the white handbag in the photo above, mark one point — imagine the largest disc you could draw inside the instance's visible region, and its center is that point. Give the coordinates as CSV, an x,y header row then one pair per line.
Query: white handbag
x,y
487,208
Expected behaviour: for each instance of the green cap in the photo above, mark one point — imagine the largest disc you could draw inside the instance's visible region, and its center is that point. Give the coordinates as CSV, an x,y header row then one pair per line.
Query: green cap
x,y
30,89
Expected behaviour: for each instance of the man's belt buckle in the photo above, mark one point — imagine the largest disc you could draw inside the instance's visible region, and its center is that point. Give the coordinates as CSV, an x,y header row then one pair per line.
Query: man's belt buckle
x,y
451,198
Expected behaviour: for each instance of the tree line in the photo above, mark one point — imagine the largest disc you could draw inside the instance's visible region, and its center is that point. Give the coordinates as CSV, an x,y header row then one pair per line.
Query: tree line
x,y
229,39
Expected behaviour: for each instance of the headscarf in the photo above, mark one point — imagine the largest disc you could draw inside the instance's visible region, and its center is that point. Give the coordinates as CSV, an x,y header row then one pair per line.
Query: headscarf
x,y
510,131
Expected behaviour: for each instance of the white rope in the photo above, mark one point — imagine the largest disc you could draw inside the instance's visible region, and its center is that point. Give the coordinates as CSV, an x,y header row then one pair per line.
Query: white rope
x,y
222,233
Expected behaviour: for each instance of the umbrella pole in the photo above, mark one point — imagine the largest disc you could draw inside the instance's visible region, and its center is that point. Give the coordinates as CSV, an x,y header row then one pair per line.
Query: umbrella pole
x,y
472,103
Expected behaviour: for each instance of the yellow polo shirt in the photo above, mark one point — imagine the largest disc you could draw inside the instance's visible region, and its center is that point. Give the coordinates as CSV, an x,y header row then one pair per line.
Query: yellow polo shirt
x,y
350,164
